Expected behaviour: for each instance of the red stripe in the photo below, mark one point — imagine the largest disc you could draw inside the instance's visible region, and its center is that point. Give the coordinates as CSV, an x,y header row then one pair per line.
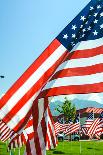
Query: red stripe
x,y
28,148
35,114
78,89
85,53
30,123
44,129
51,135
79,71
48,142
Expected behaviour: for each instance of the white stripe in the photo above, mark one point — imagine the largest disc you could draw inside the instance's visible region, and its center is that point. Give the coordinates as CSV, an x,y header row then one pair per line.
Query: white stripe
x,y
48,132
33,79
16,143
41,140
81,62
40,109
20,141
25,135
29,130
32,147
47,119
53,133
88,44
75,80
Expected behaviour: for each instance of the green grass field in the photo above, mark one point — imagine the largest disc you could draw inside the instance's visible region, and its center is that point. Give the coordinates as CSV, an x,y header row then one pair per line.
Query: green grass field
x,y
66,148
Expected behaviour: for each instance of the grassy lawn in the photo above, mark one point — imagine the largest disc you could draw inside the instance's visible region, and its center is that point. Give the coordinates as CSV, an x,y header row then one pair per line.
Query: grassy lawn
x,y
73,148
3,150
66,148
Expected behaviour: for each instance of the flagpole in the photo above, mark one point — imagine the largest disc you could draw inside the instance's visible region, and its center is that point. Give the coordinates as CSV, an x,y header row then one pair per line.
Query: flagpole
x,y
10,152
80,134
19,150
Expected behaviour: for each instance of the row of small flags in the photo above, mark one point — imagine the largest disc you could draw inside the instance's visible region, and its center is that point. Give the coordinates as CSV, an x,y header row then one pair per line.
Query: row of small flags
x,y
71,64
91,127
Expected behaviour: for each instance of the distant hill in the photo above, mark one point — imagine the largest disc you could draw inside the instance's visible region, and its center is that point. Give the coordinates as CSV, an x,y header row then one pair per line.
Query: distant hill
x,y
80,104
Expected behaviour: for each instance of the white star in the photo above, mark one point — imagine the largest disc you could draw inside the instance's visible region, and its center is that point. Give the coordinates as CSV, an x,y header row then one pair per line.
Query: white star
x,y
89,28
83,35
81,26
84,30
82,18
65,36
95,33
86,22
101,26
98,6
95,14
72,43
74,27
95,21
73,35
101,14
91,8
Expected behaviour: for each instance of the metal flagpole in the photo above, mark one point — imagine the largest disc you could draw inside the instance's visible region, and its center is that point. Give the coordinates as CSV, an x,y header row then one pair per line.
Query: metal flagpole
x,y
10,152
93,135
80,134
19,151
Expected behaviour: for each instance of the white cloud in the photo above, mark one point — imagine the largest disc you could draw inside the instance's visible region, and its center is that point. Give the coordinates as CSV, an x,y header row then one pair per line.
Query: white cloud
x,y
61,97
95,97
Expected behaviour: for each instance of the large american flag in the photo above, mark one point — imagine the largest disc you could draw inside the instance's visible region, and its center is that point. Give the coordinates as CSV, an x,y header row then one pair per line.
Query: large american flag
x,y
82,70
71,64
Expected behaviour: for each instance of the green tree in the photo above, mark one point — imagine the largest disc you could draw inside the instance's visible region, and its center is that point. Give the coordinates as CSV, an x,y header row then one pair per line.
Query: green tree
x,y
67,109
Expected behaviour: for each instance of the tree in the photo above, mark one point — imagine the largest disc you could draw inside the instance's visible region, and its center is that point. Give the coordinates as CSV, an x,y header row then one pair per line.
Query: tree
x,y
67,109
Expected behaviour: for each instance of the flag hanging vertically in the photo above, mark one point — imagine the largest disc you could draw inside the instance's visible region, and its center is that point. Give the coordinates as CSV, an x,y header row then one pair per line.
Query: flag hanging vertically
x,y
44,138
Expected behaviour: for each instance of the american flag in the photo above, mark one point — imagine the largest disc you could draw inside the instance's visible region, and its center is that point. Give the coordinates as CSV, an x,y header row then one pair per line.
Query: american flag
x,y
28,133
44,138
59,127
82,71
71,64
88,123
73,127
97,123
5,131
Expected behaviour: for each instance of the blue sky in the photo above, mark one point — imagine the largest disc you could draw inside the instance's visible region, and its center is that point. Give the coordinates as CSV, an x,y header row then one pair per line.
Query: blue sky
x,y
26,29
